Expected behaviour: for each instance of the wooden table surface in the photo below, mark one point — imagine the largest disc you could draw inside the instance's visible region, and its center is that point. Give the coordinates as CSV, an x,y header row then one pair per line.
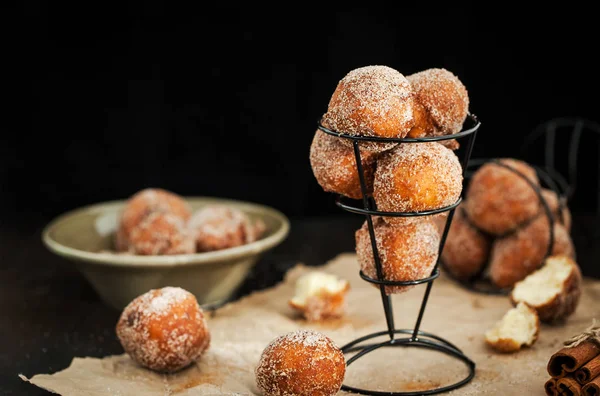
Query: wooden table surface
x,y
50,314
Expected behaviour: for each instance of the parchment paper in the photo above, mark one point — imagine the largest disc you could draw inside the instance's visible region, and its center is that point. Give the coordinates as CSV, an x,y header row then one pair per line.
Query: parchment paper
x,y
242,329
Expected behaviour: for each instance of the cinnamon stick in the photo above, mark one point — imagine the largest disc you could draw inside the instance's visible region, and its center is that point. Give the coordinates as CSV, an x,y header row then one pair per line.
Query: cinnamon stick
x,y
588,371
568,360
592,388
568,386
550,387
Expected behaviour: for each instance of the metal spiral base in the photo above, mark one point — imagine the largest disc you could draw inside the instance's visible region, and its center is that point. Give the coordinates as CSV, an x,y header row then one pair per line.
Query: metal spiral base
x,y
417,338
424,340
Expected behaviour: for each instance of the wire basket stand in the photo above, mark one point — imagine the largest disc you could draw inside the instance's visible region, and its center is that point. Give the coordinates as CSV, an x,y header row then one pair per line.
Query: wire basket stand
x,y
576,128
549,179
413,337
544,137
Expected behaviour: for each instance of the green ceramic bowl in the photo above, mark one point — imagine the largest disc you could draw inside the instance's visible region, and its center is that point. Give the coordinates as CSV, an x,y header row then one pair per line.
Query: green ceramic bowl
x,y
85,236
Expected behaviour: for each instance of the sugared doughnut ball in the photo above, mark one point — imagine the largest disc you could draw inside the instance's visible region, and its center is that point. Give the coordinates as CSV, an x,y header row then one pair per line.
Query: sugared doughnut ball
x,y
417,177
498,199
424,126
161,233
301,363
452,144
164,329
559,209
141,204
334,166
442,103
515,256
466,250
371,101
217,227
407,251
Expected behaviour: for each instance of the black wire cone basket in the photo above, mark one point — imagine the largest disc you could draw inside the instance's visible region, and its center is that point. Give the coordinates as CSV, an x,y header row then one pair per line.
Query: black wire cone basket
x,y
410,337
549,179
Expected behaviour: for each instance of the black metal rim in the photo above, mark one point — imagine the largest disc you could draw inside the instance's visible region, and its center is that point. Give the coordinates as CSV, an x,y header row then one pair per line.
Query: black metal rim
x,y
355,209
439,345
472,129
434,275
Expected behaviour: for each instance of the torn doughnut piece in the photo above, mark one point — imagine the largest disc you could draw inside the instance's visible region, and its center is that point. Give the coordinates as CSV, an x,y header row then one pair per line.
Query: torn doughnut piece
x,y
518,327
320,295
553,291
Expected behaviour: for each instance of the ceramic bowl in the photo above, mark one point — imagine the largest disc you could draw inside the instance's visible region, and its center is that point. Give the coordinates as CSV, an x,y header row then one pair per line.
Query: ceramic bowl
x,y
84,236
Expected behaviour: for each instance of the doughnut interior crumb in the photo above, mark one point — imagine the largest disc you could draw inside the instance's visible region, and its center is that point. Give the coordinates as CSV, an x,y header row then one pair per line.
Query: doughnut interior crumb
x,y
543,285
320,295
315,283
518,327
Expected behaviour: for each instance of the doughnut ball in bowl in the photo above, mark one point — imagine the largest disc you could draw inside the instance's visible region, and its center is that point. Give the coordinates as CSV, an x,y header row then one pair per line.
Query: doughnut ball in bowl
x,y
161,234
164,329
407,251
373,101
441,103
417,177
500,200
334,166
84,238
301,363
218,227
143,203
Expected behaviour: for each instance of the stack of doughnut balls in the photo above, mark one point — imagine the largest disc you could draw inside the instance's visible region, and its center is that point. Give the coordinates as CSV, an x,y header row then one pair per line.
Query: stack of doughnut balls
x,y
379,101
501,230
155,221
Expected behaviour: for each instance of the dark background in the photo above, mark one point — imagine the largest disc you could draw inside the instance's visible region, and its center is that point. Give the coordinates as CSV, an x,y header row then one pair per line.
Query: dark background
x,y
223,101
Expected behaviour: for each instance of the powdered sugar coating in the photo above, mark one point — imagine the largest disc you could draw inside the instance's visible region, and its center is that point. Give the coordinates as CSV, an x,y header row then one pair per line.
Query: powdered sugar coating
x,y
499,200
142,204
444,97
371,101
161,233
407,251
515,256
164,329
217,227
302,362
334,166
417,177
